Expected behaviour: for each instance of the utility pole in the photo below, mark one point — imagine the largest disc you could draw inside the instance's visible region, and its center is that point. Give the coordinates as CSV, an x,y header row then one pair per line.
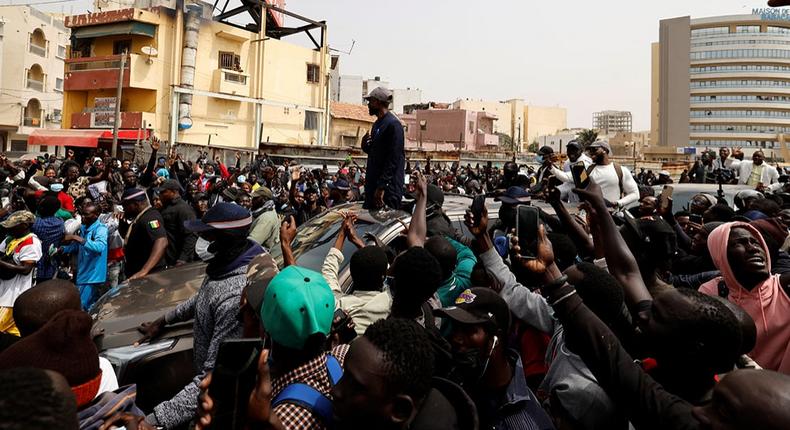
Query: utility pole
x,y
118,94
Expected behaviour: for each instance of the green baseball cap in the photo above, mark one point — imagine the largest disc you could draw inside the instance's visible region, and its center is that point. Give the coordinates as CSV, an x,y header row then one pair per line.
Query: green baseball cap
x,y
298,303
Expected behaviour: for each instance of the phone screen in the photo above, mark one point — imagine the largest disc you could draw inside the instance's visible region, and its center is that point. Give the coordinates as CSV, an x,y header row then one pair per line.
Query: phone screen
x,y
233,380
527,221
580,177
696,219
478,204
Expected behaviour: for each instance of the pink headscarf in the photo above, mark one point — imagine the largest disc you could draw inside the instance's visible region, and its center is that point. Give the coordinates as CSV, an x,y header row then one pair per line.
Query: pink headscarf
x,y
767,303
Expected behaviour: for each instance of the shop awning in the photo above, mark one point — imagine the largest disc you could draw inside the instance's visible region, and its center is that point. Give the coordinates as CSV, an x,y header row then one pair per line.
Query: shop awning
x,y
116,29
125,134
79,138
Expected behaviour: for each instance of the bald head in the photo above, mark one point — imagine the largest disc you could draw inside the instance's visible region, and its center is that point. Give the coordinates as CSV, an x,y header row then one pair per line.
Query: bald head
x,y
34,307
758,399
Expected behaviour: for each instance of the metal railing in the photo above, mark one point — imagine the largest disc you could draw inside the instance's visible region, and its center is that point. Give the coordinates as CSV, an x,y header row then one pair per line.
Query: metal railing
x,y
80,66
38,50
34,84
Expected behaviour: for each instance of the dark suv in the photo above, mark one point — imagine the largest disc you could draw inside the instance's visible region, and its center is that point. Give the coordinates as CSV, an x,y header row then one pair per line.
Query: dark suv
x,y
161,368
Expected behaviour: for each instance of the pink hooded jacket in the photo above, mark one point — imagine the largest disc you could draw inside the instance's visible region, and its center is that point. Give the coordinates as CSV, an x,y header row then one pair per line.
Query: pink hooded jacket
x,y
767,304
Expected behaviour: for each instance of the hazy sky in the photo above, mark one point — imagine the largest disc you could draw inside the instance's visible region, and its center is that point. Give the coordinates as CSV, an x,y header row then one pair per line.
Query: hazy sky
x,y
580,54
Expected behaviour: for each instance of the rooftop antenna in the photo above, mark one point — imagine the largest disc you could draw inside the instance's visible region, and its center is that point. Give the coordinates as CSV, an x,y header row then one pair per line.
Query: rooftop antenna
x,y
353,42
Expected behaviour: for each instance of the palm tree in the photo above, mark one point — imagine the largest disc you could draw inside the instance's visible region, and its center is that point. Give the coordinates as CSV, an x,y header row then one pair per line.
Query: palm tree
x,y
586,137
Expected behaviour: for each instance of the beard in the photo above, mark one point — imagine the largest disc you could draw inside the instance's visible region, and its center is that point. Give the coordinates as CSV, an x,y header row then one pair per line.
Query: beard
x,y
372,110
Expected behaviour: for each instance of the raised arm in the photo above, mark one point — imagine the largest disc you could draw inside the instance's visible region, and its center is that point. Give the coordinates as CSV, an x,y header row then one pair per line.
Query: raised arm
x,y
148,174
525,304
622,264
287,235
334,258
630,189
418,228
645,401
574,230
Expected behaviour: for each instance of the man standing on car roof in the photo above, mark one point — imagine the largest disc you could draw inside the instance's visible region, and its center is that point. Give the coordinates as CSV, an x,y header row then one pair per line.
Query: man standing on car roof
x,y
386,165
223,244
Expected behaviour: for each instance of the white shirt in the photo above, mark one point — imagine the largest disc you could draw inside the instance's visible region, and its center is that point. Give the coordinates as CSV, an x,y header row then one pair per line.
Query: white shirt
x,y
109,382
565,189
769,174
607,178
12,288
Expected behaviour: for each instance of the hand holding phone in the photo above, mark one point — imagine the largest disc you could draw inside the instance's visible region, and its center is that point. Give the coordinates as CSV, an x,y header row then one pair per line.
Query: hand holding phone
x,y
478,206
666,197
580,177
527,221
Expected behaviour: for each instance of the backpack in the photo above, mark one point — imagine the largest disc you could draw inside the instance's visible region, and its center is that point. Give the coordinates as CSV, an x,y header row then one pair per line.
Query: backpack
x,y
617,169
309,398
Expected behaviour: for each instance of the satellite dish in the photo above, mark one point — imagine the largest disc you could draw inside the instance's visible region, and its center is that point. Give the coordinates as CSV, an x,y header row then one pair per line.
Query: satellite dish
x,y
149,51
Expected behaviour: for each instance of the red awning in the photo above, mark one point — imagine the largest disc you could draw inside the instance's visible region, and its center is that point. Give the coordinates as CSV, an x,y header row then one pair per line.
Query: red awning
x,y
80,138
125,134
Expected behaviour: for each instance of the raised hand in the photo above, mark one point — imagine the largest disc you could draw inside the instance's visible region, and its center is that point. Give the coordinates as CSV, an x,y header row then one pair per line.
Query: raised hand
x,y
545,255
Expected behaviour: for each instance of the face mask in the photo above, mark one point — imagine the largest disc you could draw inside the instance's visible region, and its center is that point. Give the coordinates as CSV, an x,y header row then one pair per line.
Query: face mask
x,y
56,187
471,365
201,248
539,159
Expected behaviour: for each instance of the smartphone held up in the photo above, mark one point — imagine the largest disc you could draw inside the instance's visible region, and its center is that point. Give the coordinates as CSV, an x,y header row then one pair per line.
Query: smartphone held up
x,y
527,225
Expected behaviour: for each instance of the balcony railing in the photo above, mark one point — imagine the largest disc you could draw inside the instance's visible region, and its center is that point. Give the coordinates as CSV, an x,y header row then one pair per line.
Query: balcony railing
x,y
103,64
38,50
92,73
32,122
35,84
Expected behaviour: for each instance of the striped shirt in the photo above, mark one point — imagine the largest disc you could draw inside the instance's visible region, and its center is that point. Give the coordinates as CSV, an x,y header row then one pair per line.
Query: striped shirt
x,y
50,232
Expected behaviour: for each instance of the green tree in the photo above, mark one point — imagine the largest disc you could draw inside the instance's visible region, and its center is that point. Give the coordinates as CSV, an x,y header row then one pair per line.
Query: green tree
x,y
533,147
505,142
586,137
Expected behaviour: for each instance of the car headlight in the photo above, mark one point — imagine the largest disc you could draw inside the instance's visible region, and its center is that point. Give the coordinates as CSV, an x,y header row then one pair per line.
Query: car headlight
x,y
120,357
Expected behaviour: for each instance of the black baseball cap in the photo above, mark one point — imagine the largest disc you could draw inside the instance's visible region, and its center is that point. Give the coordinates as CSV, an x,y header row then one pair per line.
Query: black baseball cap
x,y
478,306
514,195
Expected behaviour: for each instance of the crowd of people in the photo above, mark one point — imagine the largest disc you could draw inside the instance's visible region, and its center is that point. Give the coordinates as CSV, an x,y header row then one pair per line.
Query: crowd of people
x,y
617,310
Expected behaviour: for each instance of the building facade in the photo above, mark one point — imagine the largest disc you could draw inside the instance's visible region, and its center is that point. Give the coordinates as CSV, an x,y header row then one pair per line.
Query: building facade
x,y
349,123
612,121
33,46
352,89
557,141
541,120
519,121
450,130
191,80
722,81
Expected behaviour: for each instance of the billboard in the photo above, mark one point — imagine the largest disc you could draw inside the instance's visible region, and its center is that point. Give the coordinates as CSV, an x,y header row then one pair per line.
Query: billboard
x,y
103,115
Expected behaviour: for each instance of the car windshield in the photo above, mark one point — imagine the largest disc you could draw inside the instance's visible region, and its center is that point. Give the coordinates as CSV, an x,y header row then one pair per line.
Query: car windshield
x,y
317,235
